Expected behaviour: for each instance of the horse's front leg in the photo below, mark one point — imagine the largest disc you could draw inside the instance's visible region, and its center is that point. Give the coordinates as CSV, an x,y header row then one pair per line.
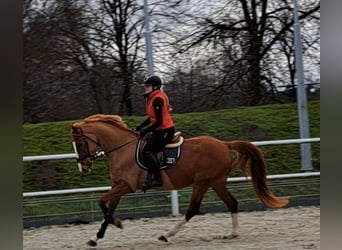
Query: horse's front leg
x,y
108,203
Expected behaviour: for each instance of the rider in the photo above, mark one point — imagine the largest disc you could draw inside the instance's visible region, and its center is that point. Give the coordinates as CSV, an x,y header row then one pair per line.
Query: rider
x,y
160,123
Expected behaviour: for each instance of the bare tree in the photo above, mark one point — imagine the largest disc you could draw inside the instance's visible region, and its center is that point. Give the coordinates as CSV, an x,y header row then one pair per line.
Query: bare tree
x,y
45,65
125,18
56,85
92,57
238,38
87,56
110,52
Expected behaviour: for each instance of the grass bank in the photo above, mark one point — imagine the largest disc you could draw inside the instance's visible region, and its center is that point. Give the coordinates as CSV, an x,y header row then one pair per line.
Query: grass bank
x,y
271,122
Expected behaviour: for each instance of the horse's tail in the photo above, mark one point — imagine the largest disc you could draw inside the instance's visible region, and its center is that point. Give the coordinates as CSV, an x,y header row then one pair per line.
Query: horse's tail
x,y
250,161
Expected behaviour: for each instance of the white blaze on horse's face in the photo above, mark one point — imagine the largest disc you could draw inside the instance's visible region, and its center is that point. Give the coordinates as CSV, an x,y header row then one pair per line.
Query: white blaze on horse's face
x,y
77,156
85,165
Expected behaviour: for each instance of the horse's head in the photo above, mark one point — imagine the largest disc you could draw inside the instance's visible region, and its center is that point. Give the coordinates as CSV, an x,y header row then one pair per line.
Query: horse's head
x,y
85,148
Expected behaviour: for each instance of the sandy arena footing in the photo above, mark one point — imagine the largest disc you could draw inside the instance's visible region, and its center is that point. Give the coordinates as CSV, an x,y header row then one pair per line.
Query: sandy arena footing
x,y
280,229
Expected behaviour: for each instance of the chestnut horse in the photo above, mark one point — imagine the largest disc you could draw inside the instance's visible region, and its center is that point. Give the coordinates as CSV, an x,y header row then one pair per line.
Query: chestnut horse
x,y
205,162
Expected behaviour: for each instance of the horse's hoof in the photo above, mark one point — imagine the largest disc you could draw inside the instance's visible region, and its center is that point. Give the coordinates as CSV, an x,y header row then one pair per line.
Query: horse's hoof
x,y
226,237
232,236
162,238
117,222
91,243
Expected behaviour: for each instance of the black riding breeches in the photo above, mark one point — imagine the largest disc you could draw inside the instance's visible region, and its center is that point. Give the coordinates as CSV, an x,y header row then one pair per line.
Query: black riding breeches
x,y
158,140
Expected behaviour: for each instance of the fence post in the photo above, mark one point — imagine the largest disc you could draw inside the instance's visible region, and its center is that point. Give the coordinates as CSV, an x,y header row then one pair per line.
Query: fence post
x,y
174,202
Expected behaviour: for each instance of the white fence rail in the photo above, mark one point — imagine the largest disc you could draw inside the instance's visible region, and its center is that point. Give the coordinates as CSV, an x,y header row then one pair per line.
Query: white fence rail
x,y
49,157
100,189
174,193
260,143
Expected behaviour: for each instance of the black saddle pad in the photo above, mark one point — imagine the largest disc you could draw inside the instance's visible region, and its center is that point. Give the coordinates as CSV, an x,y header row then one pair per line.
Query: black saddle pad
x,y
167,157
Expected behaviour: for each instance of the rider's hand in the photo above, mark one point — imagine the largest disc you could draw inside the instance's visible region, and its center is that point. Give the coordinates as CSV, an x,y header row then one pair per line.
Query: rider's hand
x,y
142,133
137,128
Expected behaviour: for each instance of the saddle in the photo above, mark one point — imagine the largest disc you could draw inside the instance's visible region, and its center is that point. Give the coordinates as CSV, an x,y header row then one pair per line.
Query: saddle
x,y
167,157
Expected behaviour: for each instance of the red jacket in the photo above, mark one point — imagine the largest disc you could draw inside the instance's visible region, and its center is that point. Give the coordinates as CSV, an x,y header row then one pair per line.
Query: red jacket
x,y
167,119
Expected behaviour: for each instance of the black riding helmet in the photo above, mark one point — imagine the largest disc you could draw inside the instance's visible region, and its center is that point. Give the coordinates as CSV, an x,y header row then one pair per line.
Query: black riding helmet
x,y
153,80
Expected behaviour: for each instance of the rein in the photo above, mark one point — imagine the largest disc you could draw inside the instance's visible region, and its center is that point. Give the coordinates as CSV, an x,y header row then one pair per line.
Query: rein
x,y
102,153
123,145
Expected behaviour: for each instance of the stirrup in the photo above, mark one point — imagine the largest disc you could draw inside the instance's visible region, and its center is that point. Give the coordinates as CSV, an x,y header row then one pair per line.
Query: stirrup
x,y
157,184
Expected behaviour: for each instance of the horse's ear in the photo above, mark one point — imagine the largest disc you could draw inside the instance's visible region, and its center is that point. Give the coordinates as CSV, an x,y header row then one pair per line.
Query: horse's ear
x,y
73,128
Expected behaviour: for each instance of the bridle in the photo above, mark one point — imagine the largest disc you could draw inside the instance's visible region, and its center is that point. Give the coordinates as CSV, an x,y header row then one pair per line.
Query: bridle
x,y
98,154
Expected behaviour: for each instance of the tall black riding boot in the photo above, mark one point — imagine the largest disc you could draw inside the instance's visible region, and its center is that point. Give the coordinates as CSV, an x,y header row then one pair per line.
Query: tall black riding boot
x,y
154,166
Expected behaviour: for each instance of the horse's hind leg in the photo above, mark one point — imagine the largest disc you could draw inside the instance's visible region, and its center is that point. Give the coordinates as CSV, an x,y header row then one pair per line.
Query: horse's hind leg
x,y
197,195
231,203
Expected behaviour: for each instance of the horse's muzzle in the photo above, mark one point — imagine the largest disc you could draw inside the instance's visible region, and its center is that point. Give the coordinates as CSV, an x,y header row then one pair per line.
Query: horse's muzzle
x,y
85,166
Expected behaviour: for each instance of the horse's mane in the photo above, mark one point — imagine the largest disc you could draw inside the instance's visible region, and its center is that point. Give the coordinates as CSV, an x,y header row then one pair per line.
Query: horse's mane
x,y
110,119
